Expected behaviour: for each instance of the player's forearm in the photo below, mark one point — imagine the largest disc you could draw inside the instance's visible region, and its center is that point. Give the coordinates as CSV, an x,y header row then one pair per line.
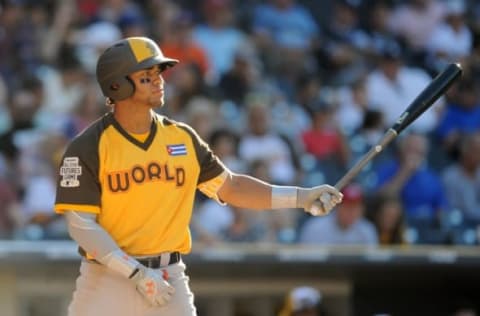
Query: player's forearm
x,y
246,192
249,192
96,241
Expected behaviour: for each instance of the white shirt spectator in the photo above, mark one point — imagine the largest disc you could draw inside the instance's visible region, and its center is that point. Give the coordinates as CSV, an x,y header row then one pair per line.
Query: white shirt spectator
x,y
324,230
416,23
393,97
214,218
349,113
274,150
39,196
450,43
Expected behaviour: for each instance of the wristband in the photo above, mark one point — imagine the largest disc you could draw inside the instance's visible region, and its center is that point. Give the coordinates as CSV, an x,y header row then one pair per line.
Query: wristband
x,y
284,197
118,261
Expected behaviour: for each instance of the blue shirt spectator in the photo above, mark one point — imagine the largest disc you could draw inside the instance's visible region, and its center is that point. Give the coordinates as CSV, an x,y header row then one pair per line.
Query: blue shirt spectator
x,y
288,24
459,119
219,37
408,176
422,194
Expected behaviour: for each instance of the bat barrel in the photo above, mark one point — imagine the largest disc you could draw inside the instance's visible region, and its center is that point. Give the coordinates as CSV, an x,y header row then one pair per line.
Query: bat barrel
x,y
428,96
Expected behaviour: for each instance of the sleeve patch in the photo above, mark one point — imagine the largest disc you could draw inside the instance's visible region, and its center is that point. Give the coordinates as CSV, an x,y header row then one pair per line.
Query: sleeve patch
x,y
70,170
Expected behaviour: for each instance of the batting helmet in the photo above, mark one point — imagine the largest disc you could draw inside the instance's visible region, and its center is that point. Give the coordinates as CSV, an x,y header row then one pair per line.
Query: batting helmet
x,y
124,57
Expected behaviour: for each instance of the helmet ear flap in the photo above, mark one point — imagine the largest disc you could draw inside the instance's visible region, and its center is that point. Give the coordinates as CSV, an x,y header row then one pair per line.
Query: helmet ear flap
x,y
121,88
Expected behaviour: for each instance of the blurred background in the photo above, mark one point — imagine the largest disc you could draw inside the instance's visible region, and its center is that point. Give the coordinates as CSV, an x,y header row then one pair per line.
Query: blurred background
x,y
292,92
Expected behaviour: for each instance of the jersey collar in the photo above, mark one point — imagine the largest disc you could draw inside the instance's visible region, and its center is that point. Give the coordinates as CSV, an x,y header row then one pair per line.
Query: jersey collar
x,y
143,145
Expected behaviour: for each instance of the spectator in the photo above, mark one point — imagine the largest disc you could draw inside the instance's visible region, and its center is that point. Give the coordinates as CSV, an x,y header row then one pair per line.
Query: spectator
x,y
386,214
214,222
363,139
302,301
452,40
185,83
286,34
12,17
285,25
346,226
178,42
63,87
392,85
244,228
219,37
377,27
326,141
292,117
39,162
119,10
275,150
352,107
88,109
248,226
346,44
211,220
201,113
238,81
461,116
23,105
415,21
279,226
408,176
93,40
462,179
224,144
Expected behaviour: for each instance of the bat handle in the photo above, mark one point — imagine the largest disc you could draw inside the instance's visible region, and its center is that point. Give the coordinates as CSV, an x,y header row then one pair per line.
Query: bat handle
x,y
372,153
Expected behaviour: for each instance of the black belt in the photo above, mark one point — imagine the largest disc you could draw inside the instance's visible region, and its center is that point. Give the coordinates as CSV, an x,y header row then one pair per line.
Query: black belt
x,y
155,262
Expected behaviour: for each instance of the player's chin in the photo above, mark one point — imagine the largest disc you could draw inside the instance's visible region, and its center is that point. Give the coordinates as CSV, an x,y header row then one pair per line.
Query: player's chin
x,y
157,102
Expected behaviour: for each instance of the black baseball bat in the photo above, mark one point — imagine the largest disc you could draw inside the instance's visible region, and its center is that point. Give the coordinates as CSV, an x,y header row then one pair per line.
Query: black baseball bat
x,y
438,86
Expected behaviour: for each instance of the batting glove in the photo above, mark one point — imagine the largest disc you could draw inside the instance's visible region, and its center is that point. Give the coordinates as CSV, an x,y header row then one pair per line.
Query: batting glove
x,y
151,285
319,200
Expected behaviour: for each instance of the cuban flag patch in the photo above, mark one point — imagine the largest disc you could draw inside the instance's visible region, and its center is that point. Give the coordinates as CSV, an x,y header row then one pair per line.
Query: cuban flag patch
x,y
177,150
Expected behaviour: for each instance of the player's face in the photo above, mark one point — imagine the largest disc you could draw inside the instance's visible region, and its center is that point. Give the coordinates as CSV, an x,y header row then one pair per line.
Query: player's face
x,y
148,87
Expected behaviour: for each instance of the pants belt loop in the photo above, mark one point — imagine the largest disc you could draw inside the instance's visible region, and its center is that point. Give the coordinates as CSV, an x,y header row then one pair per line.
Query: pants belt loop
x,y
164,259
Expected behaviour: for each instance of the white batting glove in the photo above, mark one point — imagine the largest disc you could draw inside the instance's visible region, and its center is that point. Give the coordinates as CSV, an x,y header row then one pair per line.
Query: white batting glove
x,y
152,286
319,200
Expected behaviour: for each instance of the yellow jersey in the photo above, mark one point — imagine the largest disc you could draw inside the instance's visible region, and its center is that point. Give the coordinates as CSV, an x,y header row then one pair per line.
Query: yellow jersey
x,y
142,192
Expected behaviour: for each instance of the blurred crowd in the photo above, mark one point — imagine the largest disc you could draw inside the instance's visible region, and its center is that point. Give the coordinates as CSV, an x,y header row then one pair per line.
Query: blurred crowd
x,y
293,92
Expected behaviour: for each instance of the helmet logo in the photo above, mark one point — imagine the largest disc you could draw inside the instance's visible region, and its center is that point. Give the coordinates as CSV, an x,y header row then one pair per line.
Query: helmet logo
x,y
142,49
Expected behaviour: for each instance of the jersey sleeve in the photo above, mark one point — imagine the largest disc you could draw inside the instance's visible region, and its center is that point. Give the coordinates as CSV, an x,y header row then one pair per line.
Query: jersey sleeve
x,y
78,187
212,171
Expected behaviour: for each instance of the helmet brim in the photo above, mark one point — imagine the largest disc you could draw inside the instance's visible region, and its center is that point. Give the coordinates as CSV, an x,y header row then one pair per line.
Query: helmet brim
x,y
157,60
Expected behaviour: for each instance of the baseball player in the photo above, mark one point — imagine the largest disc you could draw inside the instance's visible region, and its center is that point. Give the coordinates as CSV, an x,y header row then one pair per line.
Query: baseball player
x,y
127,186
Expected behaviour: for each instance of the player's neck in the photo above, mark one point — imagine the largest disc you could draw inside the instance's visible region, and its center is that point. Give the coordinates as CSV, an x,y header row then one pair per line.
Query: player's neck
x,y
134,120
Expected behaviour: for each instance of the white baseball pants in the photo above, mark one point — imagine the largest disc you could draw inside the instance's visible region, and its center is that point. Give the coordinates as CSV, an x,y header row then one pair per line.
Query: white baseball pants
x,y
100,291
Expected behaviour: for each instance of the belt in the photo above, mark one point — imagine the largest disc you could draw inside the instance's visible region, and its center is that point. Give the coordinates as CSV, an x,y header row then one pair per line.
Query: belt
x,y
162,260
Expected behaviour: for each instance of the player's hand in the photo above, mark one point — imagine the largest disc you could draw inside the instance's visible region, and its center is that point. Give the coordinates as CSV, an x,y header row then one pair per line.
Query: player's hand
x,y
319,200
151,284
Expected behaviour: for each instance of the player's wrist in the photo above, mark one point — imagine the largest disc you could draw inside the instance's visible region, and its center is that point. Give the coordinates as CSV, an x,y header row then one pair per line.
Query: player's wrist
x,y
122,263
284,197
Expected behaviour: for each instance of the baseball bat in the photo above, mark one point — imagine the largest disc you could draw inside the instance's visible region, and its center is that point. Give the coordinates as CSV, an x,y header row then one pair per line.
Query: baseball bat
x,y
438,86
